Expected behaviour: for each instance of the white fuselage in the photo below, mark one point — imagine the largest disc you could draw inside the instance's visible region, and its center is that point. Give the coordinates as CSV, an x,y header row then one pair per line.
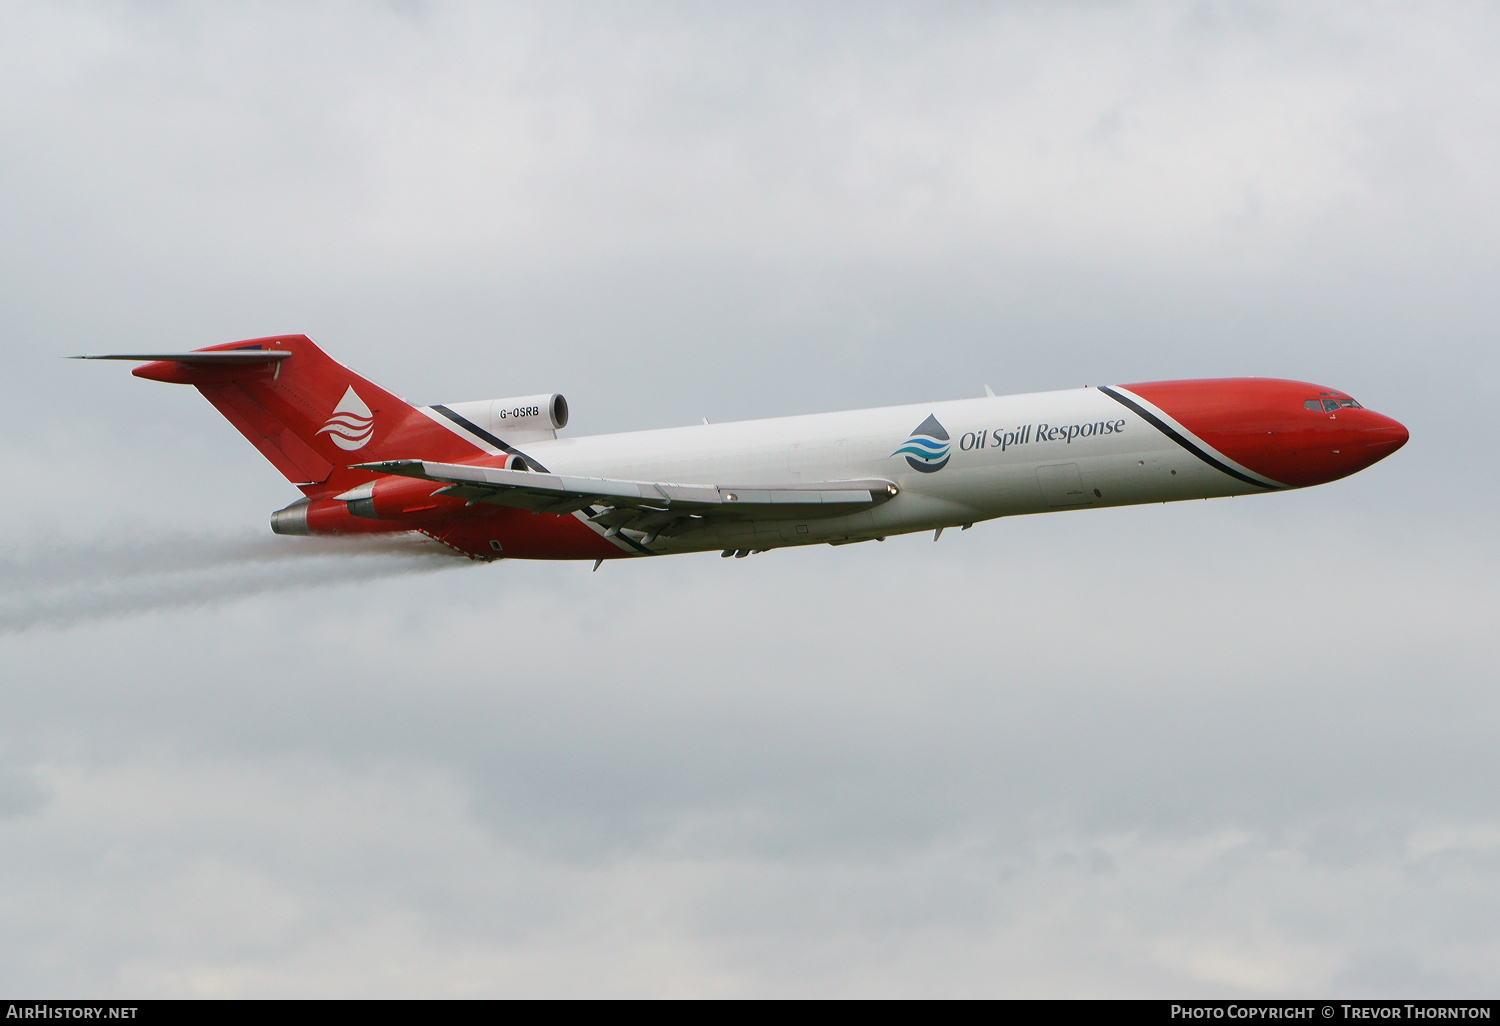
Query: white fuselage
x,y
1008,455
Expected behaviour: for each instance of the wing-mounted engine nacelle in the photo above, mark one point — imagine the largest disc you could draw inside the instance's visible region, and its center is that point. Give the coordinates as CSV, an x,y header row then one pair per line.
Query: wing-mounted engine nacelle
x,y
518,419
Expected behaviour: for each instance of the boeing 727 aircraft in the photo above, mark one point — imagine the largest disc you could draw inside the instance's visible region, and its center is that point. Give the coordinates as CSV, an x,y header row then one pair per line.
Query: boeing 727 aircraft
x,y
494,480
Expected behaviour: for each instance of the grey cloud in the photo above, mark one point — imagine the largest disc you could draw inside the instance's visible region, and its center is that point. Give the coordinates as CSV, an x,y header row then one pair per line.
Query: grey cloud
x,y
1218,748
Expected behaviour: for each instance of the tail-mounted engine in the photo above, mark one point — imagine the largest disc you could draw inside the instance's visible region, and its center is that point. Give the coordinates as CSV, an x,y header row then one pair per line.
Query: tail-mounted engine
x,y
519,419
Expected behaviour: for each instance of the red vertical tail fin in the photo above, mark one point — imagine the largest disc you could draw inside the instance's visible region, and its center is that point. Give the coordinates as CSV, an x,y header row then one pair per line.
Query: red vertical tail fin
x,y
308,414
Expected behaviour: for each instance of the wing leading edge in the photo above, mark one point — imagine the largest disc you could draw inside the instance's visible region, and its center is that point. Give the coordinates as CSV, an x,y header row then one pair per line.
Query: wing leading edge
x,y
221,358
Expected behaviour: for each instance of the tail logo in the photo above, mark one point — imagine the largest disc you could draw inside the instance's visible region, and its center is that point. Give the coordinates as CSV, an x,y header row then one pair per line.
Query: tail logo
x,y
928,447
352,423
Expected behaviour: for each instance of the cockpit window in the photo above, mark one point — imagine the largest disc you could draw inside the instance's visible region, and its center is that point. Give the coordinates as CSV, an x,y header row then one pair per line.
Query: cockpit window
x,y
1331,405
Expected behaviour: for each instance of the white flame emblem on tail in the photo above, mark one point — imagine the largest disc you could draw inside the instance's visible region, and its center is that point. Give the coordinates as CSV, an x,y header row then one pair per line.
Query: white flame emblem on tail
x,y
352,423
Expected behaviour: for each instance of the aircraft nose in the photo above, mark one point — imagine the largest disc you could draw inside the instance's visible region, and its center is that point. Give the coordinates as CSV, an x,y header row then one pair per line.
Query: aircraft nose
x,y
1374,439
1384,436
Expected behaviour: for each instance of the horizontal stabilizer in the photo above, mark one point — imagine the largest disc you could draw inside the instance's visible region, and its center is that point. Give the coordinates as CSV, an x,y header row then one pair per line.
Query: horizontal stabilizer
x,y
555,493
221,359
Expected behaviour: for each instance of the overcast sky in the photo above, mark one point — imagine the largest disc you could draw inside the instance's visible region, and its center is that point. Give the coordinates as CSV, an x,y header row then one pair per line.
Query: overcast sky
x,y
1238,747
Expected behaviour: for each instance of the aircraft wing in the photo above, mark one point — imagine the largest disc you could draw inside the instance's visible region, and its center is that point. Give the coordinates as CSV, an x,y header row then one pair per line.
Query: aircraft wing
x,y
644,505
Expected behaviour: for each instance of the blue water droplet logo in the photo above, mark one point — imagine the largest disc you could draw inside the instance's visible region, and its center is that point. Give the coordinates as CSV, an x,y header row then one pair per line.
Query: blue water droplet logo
x,y
928,447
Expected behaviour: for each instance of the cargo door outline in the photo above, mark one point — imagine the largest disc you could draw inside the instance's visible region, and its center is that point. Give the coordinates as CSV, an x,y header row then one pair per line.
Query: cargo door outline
x,y
1061,485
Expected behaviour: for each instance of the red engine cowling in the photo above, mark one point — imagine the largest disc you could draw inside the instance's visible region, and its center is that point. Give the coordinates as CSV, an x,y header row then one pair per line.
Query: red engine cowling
x,y
385,504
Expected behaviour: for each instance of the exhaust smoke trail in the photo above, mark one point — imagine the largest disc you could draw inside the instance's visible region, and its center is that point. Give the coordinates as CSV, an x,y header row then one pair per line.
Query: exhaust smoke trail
x,y
60,584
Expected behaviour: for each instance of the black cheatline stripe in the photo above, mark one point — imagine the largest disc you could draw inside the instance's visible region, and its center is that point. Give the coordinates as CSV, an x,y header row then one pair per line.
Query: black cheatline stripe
x,y
631,542
475,429
1165,429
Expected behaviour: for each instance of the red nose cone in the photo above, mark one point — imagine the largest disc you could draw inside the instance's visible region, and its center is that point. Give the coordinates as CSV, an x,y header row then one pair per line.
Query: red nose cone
x,y
1346,444
1383,437
1292,432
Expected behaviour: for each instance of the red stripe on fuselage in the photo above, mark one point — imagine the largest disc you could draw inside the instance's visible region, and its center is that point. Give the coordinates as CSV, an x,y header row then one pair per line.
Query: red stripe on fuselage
x,y
1263,425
